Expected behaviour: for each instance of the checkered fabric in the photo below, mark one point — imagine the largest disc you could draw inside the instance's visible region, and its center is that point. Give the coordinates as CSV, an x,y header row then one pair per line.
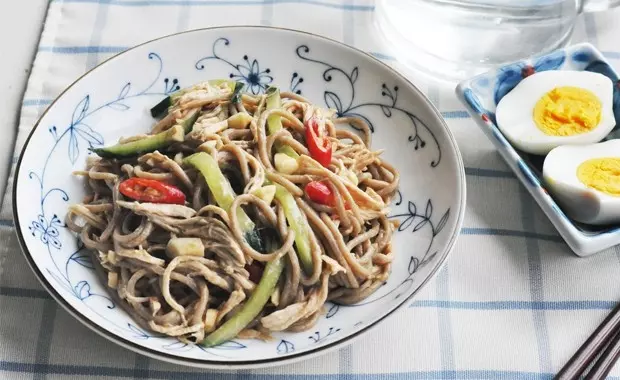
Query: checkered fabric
x,y
512,302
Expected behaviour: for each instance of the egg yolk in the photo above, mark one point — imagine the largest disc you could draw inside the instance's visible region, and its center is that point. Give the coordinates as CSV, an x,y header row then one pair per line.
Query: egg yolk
x,y
602,174
567,111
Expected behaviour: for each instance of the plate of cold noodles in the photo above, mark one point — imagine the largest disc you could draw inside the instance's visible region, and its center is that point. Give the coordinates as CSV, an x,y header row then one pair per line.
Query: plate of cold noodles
x,y
240,205
219,239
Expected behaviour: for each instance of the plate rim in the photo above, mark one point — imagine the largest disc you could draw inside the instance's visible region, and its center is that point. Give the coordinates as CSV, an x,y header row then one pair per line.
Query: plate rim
x,y
257,363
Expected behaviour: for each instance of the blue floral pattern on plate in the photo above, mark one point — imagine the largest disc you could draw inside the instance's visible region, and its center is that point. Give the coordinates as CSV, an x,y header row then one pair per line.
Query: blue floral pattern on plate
x,y
481,95
69,268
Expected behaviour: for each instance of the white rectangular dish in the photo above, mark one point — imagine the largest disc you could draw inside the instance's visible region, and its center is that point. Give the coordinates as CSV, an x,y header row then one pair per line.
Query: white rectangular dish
x,y
482,93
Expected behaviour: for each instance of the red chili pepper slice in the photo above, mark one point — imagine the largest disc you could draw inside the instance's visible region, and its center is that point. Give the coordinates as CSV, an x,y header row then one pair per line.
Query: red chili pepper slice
x,y
319,146
150,190
318,192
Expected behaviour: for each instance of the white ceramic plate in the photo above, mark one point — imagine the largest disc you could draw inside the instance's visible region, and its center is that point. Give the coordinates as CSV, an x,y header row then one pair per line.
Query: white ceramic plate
x,y
113,100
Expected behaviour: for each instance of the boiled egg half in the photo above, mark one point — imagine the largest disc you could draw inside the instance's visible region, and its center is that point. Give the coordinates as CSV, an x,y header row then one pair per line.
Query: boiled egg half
x,y
585,180
558,107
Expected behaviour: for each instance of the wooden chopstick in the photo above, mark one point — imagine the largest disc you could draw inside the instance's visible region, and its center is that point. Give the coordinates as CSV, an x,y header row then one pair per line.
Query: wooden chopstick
x,y
608,329
606,361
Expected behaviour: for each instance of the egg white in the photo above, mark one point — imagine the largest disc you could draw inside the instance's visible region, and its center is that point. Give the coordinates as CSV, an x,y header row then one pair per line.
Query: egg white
x,y
515,111
580,202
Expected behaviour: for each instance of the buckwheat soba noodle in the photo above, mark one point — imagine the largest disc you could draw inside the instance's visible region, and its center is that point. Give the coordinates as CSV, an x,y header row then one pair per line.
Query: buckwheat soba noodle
x,y
238,215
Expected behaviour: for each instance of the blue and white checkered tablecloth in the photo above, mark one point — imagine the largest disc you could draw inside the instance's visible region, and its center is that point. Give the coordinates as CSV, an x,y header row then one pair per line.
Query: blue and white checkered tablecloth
x,y
513,301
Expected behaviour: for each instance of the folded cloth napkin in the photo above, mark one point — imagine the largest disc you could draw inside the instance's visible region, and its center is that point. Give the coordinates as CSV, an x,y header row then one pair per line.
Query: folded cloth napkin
x,y
512,302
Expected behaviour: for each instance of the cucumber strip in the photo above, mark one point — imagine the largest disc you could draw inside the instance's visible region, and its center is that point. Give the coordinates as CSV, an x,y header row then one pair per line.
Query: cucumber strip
x,y
293,214
274,122
249,311
161,108
189,121
297,222
145,145
236,95
224,193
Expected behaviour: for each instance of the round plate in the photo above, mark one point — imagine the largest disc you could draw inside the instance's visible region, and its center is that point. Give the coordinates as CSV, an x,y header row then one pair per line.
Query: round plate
x,y
113,100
